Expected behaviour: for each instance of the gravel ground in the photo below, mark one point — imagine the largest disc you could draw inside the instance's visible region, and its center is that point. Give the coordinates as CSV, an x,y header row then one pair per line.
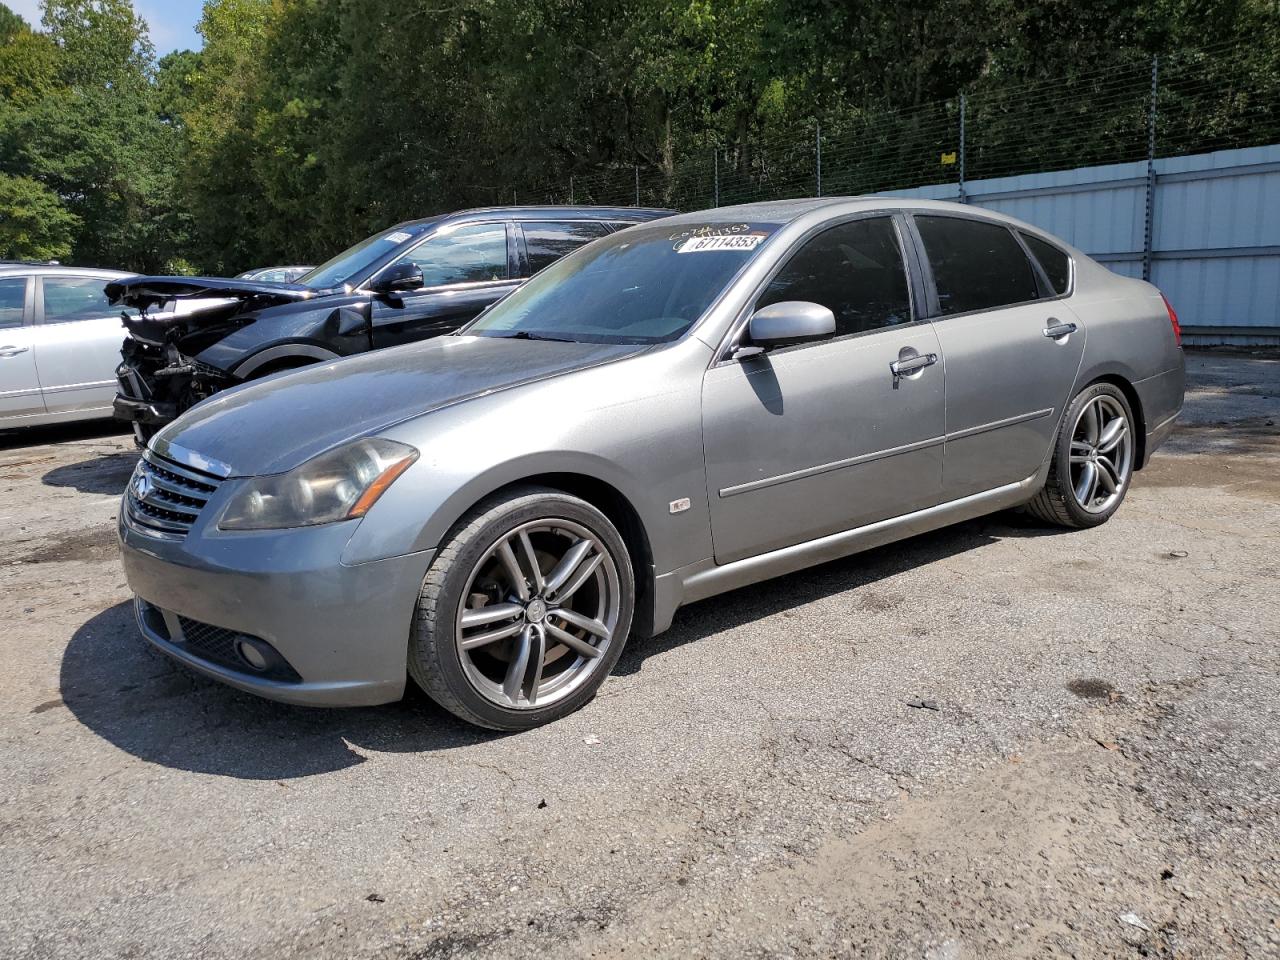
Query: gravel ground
x,y
1099,778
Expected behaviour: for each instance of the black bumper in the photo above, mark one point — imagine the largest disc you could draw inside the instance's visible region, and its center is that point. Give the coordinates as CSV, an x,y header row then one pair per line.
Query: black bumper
x,y
143,412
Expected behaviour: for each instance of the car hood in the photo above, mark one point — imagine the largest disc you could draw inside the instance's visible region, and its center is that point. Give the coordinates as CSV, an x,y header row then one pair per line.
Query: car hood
x,y
146,292
272,425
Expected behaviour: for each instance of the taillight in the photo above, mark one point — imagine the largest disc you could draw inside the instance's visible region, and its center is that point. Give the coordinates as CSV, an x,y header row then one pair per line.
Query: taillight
x,y
1173,320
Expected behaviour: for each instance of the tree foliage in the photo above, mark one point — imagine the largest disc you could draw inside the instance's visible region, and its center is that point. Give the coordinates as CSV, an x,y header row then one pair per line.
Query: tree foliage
x,y
303,125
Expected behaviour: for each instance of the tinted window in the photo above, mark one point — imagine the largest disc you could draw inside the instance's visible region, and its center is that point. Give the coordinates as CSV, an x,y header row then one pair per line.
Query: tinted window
x,y
13,294
855,270
976,266
1057,265
548,242
357,259
75,298
644,285
466,254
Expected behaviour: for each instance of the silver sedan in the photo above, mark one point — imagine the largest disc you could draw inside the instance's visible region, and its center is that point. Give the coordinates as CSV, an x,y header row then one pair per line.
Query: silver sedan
x,y
679,409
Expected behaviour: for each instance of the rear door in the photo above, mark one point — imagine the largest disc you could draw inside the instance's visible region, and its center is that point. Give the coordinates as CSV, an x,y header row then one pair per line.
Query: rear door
x,y
808,440
78,340
1012,349
465,267
19,383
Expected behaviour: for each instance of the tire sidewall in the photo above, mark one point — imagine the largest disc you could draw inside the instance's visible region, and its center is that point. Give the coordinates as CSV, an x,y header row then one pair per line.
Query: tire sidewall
x,y
441,652
1062,458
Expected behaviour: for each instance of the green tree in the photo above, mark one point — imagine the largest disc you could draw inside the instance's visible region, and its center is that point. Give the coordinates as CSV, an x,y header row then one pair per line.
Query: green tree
x,y
34,225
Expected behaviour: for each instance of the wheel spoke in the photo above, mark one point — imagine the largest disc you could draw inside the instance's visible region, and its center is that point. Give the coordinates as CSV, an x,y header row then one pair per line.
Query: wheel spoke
x,y
1108,476
576,644
584,573
537,657
568,563
490,614
508,558
586,623
1087,483
519,665
1111,436
531,558
484,639
1092,424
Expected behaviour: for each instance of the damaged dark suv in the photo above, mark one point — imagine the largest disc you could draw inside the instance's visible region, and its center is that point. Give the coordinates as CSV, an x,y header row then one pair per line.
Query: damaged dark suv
x,y
417,280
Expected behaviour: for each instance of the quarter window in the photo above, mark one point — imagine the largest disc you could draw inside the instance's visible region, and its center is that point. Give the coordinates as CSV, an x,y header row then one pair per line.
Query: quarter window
x,y
855,270
976,265
548,242
1057,265
469,254
67,299
13,295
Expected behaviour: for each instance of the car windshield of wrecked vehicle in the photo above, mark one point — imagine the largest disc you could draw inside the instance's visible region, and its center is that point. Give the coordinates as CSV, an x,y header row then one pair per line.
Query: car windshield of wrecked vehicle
x,y
642,285
358,258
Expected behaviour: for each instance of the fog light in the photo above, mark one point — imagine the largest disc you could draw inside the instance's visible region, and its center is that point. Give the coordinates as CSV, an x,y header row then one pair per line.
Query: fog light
x,y
250,654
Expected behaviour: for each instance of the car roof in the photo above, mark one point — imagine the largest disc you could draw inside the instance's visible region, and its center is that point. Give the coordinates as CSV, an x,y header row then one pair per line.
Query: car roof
x,y
545,212
9,268
785,211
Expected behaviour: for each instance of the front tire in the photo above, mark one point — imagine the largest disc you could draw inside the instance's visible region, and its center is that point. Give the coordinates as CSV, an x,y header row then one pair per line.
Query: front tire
x,y
1093,460
524,611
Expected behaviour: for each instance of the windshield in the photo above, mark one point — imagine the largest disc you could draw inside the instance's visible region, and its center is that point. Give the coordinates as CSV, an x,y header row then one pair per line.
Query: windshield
x,y
356,259
644,285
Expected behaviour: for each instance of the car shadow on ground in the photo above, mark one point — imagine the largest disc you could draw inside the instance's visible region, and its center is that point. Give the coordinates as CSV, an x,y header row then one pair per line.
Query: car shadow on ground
x,y
145,704
62,433
107,474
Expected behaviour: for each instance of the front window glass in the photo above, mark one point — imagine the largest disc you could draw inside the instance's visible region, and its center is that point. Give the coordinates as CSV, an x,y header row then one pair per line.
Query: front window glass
x,y
13,294
855,270
67,299
976,265
355,260
647,285
469,254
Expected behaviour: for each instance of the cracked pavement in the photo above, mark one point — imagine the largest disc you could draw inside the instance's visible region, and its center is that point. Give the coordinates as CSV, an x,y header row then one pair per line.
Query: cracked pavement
x,y
1099,778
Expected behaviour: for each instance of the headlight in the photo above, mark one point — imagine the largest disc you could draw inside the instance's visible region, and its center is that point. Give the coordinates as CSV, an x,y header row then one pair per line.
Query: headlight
x,y
337,485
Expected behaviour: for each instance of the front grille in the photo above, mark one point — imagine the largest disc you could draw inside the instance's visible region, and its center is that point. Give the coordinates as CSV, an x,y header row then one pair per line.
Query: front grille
x,y
167,497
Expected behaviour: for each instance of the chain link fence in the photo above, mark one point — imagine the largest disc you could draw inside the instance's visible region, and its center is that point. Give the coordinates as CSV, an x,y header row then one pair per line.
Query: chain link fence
x,y
1194,102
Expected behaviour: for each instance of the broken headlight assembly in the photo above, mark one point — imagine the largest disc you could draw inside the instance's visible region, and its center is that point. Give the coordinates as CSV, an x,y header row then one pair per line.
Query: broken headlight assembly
x,y
340,484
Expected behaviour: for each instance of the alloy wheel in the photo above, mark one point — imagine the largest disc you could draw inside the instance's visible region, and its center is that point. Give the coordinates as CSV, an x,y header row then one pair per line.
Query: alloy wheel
x,y
538,612
1101,454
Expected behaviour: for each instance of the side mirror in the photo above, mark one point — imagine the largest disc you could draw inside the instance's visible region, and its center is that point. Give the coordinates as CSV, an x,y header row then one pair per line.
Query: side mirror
x,y
786,323
398,277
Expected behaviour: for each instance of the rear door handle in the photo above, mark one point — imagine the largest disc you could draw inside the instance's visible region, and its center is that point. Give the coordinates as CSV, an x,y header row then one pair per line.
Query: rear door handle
x,y
1056,329
901,368
9,351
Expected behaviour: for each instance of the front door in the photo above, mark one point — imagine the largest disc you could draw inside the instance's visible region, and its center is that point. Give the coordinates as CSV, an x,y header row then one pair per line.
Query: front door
x,y
19,384
1012,350
79,335
464,269
809,440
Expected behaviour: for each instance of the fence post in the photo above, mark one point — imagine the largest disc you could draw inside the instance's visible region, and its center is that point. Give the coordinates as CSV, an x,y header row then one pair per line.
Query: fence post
x,y
1148,234
715,157
963,105
571,188
637,184
818,141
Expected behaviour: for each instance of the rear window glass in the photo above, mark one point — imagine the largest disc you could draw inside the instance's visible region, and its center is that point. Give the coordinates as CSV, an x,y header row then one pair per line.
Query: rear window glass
x,y
976,265
67,299
548,242
1057,265
13,294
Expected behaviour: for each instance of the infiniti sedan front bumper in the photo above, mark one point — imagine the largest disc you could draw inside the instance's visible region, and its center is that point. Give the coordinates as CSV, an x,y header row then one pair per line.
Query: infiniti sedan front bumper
x,y
318,632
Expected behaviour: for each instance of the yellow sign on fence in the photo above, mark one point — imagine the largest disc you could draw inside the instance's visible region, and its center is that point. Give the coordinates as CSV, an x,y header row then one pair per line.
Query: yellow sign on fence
x,y
948,159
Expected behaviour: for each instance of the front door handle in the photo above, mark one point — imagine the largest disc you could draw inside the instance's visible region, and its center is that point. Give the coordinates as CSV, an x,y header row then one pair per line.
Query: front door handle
x,y
903,368
1056,329
10,351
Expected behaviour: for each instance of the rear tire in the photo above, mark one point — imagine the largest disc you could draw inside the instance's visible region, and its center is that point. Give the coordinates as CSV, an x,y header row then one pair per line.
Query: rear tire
x,y
546,582
1093,460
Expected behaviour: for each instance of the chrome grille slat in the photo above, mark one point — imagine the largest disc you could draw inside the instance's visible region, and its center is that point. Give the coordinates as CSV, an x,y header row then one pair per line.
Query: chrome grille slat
x,y
172,495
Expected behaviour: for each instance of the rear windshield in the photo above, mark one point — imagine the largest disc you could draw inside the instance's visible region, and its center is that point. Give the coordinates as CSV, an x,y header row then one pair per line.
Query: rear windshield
x,y
648,284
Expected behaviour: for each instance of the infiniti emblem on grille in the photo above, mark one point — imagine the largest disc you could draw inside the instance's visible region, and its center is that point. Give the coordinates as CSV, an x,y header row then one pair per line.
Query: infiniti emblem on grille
x,y
142,486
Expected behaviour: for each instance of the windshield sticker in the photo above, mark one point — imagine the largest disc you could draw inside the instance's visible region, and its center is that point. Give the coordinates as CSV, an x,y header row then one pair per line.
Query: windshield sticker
x,y
706,244
398,237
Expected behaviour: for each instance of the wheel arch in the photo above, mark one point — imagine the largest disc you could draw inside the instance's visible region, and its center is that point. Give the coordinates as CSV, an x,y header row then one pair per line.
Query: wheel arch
x,y
278,355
